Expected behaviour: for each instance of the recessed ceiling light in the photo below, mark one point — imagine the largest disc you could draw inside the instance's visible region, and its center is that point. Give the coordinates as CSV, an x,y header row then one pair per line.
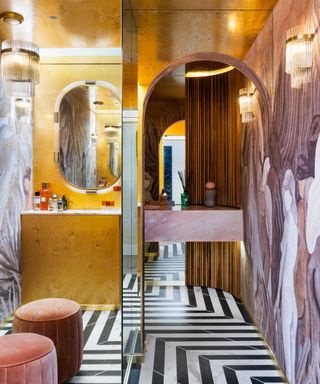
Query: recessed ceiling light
x,y
12,18
211,72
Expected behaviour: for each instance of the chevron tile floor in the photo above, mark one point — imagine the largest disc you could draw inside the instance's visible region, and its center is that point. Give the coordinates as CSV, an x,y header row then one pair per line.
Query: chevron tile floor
x,y
198,335
194,335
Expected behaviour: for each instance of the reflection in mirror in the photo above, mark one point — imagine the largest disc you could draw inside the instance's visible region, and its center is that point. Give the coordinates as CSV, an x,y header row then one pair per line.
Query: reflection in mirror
x,y
112,136
90,134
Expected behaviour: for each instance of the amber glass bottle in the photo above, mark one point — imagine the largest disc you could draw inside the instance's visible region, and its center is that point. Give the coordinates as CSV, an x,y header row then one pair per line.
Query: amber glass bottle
x,y
45,194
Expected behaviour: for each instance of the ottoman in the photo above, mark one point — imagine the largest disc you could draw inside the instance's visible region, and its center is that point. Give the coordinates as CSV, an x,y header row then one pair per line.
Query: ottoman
x,y
27,358
61,321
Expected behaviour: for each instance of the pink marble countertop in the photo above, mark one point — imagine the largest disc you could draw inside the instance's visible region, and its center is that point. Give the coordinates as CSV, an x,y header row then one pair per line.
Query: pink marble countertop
x,y
196,223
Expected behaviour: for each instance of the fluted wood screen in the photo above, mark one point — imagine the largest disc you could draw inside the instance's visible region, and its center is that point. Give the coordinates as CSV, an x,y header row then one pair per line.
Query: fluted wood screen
x,y
213,136
213,143
214,265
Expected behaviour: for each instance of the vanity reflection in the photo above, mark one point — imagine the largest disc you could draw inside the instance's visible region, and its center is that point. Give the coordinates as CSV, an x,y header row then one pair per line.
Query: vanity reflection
x,y
89,134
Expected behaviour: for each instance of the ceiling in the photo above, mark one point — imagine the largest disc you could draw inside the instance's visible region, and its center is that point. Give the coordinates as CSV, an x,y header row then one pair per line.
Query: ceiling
x,y
199,4
65,23
167,29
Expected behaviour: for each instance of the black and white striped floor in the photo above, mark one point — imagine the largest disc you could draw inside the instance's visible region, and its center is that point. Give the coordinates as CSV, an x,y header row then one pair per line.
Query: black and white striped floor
x,y
199,335
193,334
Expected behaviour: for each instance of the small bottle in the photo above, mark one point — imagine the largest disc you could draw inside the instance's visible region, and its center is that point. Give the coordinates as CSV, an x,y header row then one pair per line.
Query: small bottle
x,y
55,203
36,201
60,205
64,203
163,199
50,205
45,194
117,196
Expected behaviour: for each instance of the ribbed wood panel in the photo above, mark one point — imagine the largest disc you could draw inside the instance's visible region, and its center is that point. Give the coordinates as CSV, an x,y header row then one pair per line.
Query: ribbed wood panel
x,y
213,136
214,265
213,147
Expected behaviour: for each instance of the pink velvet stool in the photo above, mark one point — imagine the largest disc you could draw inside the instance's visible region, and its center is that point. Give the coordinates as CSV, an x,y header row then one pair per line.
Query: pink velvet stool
x,y
27,358
61,321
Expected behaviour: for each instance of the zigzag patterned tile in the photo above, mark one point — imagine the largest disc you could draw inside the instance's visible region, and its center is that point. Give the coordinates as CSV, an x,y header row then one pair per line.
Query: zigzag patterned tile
x,y
198,335
194,335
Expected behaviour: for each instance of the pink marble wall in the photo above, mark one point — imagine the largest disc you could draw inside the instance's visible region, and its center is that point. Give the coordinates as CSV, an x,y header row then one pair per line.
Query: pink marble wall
x,y
15,196
281,192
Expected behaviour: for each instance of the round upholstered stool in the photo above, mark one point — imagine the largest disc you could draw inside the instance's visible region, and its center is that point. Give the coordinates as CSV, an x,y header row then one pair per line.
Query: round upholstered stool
x,y
61,321
27,358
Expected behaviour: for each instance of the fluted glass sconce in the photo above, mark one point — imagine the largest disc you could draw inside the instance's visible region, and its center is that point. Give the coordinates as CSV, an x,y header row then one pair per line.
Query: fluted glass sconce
x,y
246,104
94,139
112,133
299,50
22,108
19,67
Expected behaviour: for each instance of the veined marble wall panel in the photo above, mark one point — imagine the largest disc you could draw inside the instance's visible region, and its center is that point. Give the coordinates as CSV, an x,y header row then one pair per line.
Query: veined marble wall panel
x,y
281,201
15,196
77,154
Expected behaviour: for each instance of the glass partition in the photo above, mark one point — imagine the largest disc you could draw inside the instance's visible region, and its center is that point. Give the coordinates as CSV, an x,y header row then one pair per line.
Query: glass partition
x,y
132,292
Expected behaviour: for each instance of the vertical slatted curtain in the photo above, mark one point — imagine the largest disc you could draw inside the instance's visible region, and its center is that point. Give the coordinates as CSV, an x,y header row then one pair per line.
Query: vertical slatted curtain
x,y
213,144
213,136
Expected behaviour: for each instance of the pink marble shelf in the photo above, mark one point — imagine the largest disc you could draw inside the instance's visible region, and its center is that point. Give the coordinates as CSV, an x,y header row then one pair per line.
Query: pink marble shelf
x,y
194,224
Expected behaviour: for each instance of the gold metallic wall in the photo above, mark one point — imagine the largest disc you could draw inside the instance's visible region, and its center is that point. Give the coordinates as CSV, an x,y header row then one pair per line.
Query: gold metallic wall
x,y
56,74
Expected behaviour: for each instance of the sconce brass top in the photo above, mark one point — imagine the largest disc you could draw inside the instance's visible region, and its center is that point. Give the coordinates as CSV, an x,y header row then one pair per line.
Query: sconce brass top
x,y
12,18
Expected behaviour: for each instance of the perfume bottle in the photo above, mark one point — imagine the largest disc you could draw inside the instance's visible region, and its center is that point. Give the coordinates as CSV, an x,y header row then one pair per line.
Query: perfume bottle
x,y
117,196
55,203
36,201
45,194
64,202
60,205
50,204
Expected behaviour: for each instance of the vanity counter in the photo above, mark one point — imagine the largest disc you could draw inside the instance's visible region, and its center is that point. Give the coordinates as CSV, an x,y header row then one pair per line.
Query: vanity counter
x,y
84,212
195,223
72,254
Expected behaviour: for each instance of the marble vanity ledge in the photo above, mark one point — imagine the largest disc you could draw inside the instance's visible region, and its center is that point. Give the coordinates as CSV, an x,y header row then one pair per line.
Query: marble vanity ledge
x,y
71,212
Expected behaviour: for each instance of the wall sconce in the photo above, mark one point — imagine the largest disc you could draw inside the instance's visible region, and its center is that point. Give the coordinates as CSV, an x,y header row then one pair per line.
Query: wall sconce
x,y
22,108
299,50
94,138
111,132
246,104
19,67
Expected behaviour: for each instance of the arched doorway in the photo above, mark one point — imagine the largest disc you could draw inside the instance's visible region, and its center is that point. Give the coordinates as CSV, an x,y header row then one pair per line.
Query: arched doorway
x,y
263,103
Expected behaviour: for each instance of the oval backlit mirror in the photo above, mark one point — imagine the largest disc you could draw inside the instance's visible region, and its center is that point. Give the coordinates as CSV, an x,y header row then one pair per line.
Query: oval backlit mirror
x,y
88,134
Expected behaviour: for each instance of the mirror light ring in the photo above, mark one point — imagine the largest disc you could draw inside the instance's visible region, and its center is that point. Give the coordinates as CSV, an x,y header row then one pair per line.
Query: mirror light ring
x,y
74,188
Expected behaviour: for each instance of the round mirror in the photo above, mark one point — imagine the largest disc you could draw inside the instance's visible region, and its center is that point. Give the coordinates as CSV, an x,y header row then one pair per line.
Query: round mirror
x,y
88,134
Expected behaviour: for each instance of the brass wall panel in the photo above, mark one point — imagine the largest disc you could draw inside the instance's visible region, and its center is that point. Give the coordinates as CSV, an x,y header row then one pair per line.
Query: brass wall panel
x,y
214,265
54,78
76,257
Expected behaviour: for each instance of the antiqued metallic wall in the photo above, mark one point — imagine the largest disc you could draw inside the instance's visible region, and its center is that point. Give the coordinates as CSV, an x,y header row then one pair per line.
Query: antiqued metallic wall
x,y
281,157
15,196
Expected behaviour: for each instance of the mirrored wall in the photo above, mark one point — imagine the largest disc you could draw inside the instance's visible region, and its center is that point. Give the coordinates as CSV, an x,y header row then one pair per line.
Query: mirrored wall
x,y
132,292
